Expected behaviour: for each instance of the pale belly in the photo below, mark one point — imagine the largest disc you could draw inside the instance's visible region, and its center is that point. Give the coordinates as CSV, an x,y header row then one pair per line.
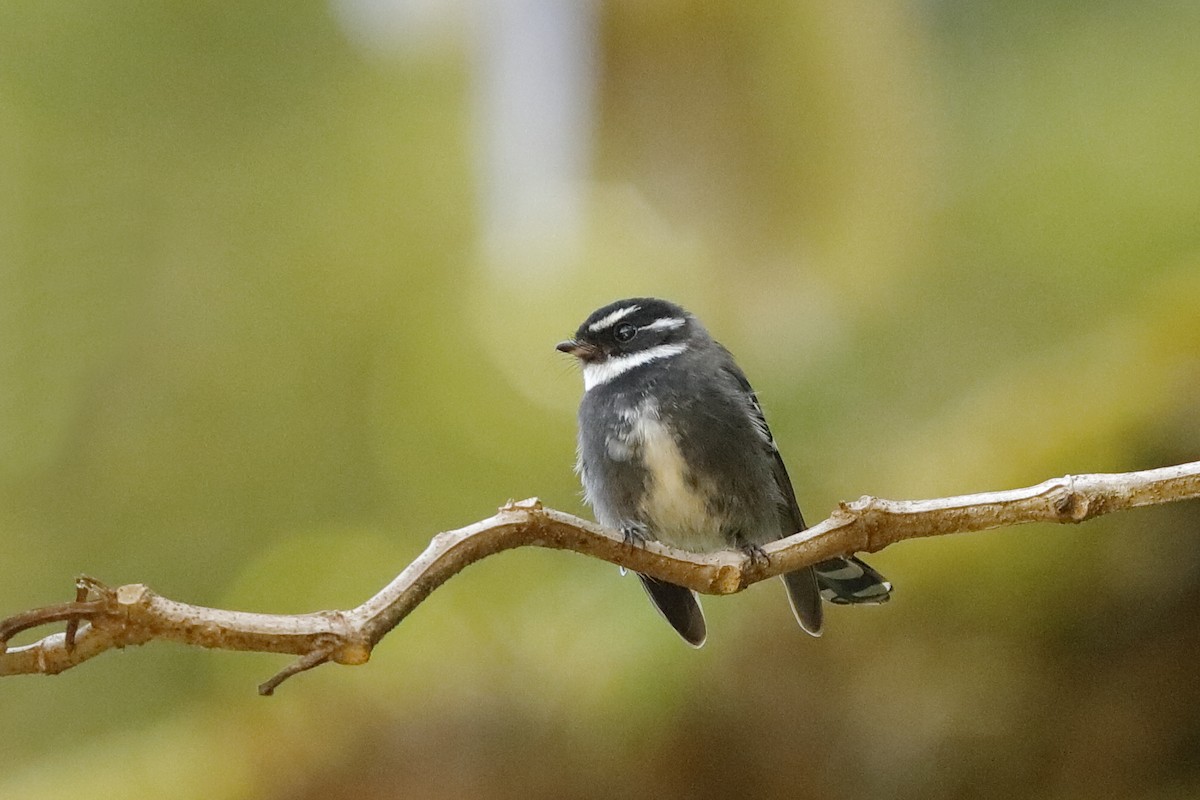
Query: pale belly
x,y
674,505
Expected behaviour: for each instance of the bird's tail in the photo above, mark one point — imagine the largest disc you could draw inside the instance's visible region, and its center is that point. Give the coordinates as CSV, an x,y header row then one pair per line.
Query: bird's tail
x,y
805,599
851,581
679,606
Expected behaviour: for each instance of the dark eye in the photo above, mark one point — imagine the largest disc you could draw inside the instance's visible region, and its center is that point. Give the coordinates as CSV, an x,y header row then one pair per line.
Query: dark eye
x,y
624,332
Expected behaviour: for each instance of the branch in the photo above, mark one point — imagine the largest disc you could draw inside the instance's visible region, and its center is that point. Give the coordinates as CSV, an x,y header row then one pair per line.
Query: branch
x,y
133,614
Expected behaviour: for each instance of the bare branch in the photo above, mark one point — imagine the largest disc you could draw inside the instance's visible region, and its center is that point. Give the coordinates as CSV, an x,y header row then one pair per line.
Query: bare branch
x,y
133,614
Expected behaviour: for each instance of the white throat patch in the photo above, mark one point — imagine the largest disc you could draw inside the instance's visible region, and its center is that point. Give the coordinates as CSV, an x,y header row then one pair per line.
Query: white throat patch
x,y
601,373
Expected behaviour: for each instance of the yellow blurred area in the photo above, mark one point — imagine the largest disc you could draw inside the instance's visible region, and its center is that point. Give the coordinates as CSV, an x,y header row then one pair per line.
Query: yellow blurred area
x,y
279,289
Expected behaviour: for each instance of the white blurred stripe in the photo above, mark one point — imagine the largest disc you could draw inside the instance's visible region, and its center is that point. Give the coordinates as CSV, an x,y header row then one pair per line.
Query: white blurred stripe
x,y
535,84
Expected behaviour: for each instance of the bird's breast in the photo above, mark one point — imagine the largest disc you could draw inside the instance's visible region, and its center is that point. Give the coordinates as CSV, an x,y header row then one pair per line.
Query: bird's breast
x,y
675,502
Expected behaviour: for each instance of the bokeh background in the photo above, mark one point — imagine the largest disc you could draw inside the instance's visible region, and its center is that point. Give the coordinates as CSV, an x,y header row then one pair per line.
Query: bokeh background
x,y
279,288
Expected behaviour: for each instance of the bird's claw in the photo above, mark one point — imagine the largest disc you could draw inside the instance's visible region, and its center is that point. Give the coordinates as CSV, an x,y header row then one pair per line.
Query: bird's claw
x,y
635,535
758,557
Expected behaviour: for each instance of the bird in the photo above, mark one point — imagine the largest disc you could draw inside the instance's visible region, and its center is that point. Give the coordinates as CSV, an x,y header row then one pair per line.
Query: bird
x,y
673,447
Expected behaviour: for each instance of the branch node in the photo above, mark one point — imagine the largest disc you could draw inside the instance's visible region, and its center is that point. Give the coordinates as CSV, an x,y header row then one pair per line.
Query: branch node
x,y
729,579
528,504
848,513
352,653
1071,505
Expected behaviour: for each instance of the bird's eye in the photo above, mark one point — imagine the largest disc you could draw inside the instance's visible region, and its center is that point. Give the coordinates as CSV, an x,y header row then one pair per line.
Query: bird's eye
x,y
624,332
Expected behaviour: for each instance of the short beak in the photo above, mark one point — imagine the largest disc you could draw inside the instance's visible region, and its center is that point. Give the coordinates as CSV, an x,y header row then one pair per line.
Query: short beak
x,y
581,350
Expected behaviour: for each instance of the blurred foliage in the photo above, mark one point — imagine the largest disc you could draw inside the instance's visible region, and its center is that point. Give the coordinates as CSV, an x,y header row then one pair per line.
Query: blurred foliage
x,y
252,355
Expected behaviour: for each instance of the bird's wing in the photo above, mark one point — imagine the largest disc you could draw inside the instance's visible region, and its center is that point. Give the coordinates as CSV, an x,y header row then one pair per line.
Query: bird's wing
x,y
802,585
791,518
842,580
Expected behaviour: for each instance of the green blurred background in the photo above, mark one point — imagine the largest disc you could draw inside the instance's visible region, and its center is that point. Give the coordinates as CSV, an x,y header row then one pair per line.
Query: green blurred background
x,y
279,289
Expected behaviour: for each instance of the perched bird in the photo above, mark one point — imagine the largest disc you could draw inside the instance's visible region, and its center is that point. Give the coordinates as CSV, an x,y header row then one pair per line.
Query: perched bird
x,y
674,447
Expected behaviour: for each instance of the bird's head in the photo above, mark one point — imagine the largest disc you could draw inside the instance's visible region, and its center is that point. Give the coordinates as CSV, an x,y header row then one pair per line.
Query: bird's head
x,y
628,333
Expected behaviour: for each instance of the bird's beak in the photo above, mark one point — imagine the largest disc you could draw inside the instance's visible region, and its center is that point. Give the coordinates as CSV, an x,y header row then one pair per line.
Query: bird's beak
x,y
581,350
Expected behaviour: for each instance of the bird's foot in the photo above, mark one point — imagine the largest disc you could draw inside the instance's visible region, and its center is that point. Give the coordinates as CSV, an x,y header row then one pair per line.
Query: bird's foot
x,y
635,535
758,557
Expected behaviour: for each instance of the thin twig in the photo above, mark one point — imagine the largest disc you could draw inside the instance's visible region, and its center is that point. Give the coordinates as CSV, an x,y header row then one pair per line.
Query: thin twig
x,y
306,662
133,614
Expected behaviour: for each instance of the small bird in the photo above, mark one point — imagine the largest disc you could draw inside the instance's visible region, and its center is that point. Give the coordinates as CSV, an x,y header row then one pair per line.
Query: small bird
x,y
674,447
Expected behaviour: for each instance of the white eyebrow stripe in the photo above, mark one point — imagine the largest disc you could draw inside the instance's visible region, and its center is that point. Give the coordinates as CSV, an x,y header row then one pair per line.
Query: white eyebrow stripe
x,y
609,319
664,324
600,373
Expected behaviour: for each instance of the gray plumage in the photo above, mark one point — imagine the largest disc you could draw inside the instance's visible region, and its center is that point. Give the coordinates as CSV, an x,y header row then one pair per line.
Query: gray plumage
x,y
673,446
